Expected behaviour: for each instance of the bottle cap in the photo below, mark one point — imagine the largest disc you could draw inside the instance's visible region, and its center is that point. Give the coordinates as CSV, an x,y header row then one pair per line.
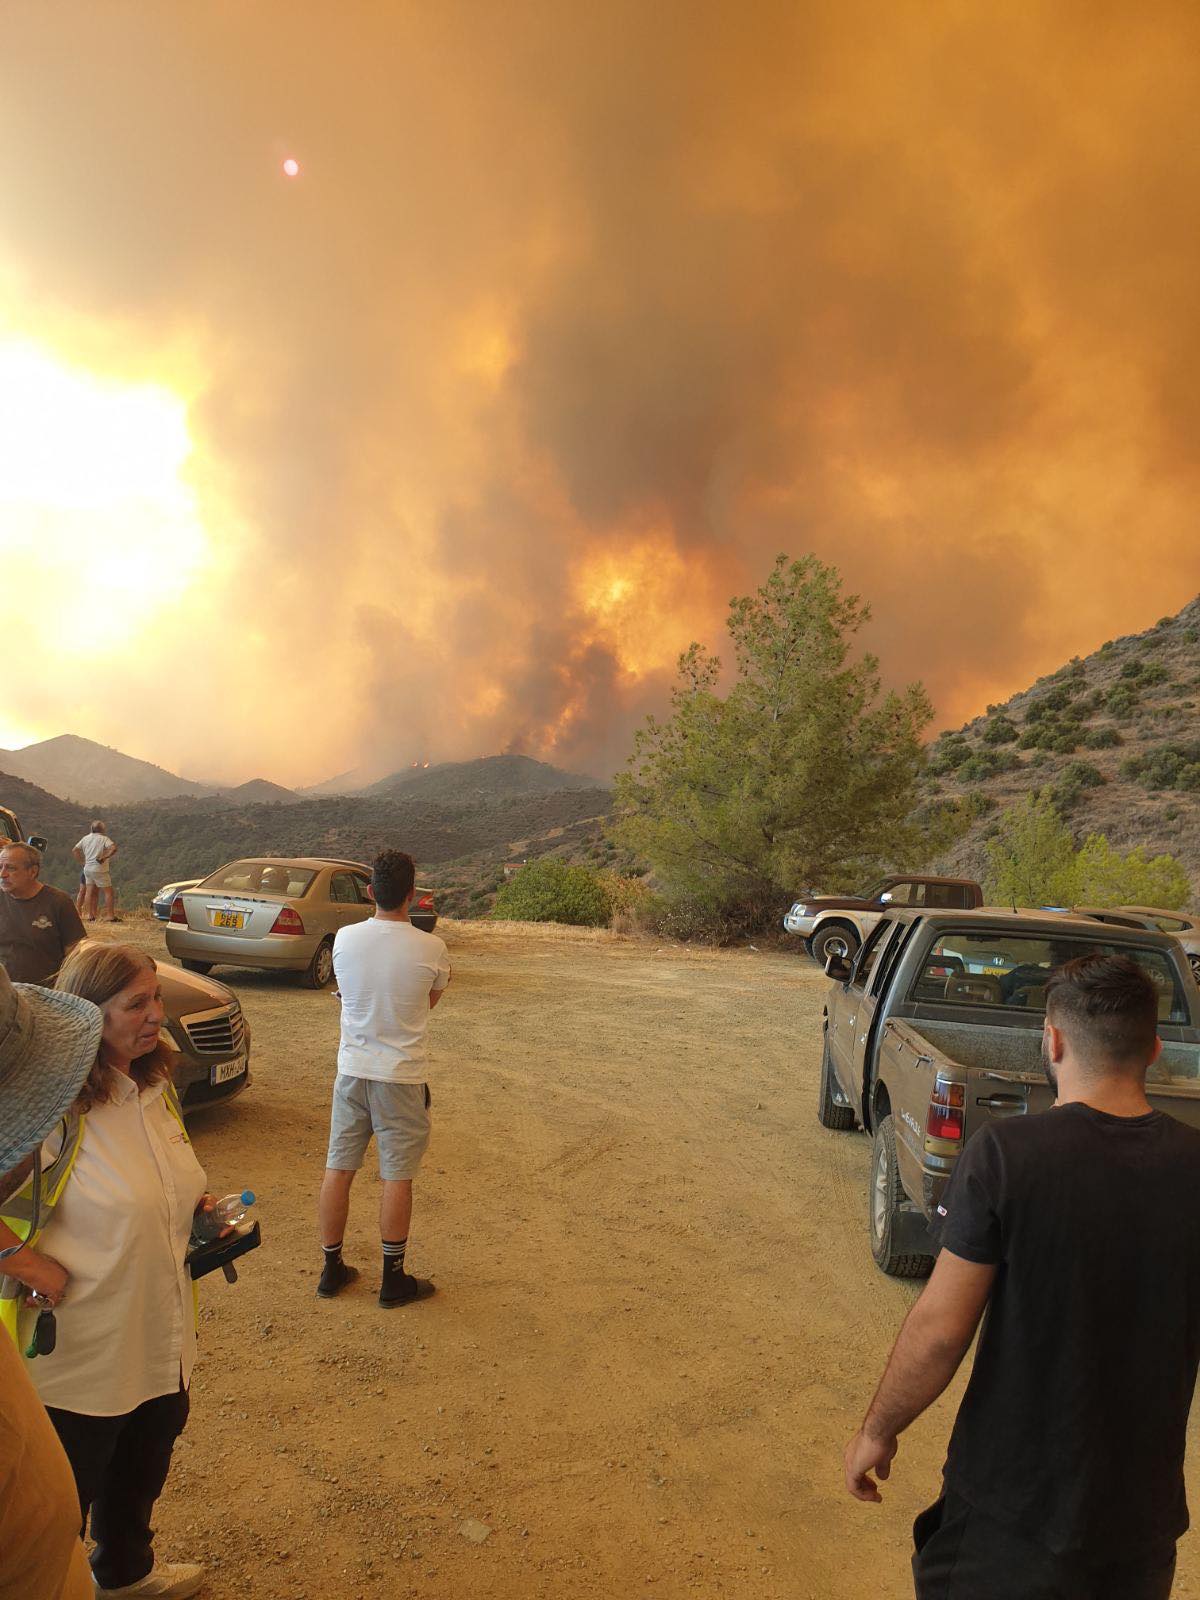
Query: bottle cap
x,y
247,1197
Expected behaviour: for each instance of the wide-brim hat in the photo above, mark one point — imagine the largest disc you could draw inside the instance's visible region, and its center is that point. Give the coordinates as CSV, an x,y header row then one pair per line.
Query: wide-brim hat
x,y
48,1045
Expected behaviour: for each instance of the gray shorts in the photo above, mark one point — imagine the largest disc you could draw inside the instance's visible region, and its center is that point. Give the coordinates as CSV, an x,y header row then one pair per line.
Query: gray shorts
x,y
396,1113
98,877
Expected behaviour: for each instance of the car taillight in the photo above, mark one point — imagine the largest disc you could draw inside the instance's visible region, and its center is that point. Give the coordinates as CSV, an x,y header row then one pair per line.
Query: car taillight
x,y
425,903
288,921
945,1119
178,914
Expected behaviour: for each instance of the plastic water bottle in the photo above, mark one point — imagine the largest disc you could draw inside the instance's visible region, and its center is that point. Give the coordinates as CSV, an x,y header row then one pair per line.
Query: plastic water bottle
x,y
227,1213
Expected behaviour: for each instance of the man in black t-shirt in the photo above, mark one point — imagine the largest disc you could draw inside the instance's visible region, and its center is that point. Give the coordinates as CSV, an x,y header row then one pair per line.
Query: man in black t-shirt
x,y
38,923
1079,1232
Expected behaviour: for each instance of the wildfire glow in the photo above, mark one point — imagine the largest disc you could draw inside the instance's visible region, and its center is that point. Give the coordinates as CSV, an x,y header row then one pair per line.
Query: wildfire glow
x,y
641,600
93,502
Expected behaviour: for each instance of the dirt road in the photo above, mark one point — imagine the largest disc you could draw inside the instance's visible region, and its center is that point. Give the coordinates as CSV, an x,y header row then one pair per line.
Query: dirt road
x,y
657,1317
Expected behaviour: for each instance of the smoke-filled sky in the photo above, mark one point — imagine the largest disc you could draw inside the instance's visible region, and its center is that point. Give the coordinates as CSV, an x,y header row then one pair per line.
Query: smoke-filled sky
x,y
574,317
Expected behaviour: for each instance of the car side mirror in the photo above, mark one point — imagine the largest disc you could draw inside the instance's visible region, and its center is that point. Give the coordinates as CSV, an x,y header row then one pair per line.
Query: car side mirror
x,y
36,840
838,968
885,899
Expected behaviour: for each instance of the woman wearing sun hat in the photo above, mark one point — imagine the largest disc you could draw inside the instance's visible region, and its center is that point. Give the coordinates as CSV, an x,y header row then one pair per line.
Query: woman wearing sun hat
x,y
48,1044
119,1192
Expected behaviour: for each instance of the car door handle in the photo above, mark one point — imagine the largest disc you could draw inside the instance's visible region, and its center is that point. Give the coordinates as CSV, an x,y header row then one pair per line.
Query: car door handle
x,y
1011,1103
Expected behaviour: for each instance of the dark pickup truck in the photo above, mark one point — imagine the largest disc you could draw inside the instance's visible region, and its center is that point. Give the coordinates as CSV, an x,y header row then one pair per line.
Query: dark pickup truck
x,y
936,1027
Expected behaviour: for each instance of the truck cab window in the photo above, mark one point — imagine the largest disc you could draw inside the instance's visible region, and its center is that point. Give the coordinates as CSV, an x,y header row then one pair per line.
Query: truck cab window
x,y
869,953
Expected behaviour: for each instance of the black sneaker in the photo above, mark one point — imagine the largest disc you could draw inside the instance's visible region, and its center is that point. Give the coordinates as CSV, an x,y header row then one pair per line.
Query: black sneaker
x,y
403,1289
334,1277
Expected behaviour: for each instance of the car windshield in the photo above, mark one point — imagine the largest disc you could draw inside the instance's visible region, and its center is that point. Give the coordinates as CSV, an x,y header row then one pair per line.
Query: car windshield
x,y
260,877
1010,970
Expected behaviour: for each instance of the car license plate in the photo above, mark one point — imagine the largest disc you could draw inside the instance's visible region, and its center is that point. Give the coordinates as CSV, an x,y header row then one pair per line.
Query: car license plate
x,y
228,919
225,1070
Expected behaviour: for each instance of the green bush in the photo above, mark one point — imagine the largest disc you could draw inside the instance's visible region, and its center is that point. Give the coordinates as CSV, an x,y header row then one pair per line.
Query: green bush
x,y
551,891
1082,775
1154,673
1169,766
1101,738
1121,700
999,730
1132,669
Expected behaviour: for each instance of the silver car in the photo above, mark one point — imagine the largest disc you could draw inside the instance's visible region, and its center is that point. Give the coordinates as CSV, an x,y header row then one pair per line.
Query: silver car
x,y
276,913
160,906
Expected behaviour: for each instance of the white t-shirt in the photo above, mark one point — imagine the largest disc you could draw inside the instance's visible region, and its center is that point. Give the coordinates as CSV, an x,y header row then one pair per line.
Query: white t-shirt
x,y
126,1325
93,846
385,974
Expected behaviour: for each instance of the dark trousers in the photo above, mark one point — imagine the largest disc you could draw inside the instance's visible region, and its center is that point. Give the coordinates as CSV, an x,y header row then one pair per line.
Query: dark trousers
x,y
120,1466
961,1554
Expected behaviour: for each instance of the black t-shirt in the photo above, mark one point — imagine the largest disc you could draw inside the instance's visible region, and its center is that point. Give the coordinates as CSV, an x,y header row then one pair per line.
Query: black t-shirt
x,y
1074,1421
36,934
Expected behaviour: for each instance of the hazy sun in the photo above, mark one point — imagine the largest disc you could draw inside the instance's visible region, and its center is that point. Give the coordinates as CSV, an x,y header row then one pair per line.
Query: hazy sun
x,y
94,505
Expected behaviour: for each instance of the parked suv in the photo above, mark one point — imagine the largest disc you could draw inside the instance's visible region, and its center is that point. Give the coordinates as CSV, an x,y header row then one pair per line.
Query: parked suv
x,y
835,925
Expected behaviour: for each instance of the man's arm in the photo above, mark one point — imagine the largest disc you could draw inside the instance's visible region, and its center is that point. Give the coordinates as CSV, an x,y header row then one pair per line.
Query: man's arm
x,y
108,855
78,854
70,925
937,1333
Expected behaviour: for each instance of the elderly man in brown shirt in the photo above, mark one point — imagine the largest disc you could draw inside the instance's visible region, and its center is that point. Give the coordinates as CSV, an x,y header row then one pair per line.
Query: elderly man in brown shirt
x,y
39,924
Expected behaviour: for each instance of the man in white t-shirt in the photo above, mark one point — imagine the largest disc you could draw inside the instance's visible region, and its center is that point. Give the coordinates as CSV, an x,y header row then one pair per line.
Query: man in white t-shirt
x,y
390,976
94,852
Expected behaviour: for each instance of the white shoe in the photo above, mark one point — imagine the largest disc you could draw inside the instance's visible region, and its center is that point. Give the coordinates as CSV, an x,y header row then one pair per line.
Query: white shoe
x,y
166,1580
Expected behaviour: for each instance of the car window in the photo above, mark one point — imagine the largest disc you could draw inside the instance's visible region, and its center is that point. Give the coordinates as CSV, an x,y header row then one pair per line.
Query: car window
x,y
260,877
869,953
361,885
342,889
947,896
1171,924
980,968
908,894
885,967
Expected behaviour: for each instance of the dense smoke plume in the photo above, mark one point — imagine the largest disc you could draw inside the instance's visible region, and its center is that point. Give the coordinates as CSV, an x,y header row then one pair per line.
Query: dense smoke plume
x,y
575,316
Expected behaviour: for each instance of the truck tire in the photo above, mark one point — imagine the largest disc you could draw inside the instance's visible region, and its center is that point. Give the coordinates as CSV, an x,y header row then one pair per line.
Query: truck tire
x,y
885,1197
202,967
834,938
829,1113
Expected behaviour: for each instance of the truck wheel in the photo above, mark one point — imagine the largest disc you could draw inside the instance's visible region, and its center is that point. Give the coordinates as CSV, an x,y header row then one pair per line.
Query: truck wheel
x,y
834,939
886,1198
1195,965
829,1113
320,969
202,967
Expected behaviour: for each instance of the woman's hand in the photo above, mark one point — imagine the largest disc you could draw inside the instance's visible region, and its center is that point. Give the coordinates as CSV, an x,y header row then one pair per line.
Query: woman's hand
x,y
205,1203
40,1274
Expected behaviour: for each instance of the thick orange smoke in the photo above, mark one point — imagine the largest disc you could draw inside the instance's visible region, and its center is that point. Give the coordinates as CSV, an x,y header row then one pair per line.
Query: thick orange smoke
x,y
573,317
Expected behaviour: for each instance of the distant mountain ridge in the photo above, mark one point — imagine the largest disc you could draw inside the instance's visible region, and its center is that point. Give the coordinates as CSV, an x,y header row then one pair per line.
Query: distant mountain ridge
x,y
75,768
79,769
490,776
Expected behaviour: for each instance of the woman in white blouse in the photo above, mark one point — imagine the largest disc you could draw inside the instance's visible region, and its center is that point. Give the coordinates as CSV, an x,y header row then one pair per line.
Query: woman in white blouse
x,y
111,1262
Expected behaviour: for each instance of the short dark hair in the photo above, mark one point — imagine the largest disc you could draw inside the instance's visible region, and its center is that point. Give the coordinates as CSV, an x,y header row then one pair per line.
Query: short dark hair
x,y
392,877
1107,1006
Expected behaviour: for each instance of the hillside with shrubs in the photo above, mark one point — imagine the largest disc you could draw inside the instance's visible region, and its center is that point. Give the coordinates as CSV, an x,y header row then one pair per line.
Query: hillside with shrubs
x,y
1112,740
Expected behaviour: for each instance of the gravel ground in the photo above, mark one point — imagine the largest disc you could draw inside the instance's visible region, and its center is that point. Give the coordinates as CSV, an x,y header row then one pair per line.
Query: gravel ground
x,y
657,1319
